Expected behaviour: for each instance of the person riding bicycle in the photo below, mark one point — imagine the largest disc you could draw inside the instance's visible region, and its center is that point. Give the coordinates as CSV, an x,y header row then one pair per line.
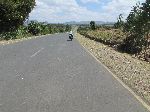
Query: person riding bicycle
x,y
71,34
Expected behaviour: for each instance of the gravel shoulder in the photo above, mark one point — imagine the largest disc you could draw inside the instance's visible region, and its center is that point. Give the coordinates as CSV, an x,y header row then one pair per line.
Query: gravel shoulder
x,y
133,72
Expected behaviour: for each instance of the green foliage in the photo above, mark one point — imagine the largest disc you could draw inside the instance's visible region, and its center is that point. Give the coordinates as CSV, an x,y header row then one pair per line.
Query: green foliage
x,y
14,13
59,28
119,23
45,29
137,28
135,37
92,25
34,28
8,35
68,28
21,32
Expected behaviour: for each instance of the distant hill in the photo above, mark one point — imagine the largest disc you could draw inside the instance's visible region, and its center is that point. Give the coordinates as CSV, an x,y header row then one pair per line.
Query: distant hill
x,y
76,23
88,22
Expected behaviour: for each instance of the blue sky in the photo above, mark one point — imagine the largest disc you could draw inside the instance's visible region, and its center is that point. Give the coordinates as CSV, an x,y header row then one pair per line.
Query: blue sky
x,y
59,11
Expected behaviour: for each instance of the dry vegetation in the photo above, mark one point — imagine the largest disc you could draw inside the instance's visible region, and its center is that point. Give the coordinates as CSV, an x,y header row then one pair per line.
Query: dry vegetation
x,y
110,37
114,38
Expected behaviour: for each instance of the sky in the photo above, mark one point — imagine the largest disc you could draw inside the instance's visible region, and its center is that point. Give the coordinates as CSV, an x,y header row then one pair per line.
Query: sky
x,y
60,11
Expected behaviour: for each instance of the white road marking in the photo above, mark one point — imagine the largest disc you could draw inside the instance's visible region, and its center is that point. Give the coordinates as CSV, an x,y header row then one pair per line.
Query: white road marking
x,y
36,53
58,59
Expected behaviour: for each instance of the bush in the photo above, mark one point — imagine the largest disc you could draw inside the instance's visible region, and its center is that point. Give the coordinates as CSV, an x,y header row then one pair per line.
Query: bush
x,y
138,28
8,35
119,23
21,32
34,28
92,25
68,28
45,29
131,45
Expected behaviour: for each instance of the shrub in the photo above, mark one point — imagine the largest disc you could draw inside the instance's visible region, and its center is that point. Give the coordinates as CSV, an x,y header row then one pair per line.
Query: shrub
x,y
92,25
68,28
34,28
119,23
8,35
137,28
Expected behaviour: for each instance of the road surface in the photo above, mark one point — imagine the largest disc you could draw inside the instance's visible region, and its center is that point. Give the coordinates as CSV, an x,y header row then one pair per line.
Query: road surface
x,y
52,74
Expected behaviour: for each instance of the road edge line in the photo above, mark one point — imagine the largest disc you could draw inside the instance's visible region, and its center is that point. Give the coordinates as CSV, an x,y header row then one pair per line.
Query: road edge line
x,y
119,80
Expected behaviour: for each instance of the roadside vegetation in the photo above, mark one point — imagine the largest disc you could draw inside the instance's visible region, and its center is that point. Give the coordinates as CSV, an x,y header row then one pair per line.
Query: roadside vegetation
x,y
132,39
14,14
106,35
131,36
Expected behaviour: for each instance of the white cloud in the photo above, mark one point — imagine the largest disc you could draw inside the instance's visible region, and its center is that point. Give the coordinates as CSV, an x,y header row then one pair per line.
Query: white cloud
x,y
116,7
69,10
61,10
88,1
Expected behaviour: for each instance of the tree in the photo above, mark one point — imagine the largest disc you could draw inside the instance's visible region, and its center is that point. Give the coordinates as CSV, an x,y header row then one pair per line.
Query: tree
x,y
13,13
145,16
68,28
120,22
137,28
92,25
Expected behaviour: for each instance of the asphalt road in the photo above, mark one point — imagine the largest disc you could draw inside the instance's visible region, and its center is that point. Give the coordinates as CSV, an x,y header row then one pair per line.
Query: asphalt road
x,y
51,74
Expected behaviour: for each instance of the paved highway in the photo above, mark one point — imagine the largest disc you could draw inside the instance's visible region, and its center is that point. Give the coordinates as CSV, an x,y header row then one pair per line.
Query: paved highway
x,y
51,74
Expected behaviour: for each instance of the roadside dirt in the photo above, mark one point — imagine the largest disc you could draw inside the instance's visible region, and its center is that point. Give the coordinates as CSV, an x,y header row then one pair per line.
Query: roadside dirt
x,y
133,72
